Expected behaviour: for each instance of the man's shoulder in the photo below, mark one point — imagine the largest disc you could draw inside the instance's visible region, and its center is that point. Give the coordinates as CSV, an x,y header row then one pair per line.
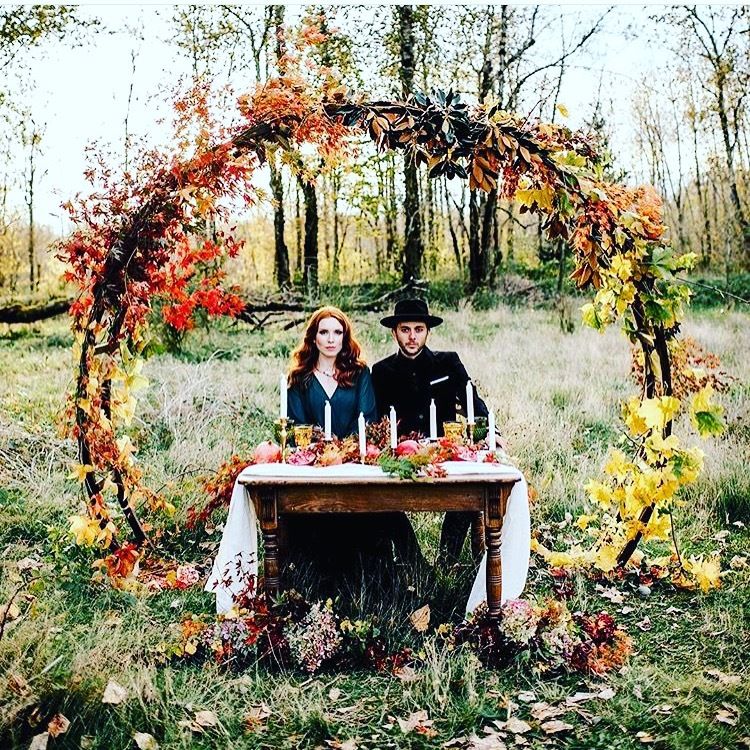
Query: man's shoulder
x,y
446,358
384,364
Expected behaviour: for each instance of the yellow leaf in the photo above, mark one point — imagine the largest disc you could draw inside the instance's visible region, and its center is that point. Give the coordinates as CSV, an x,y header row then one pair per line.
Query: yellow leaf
x,y
634,422
606,558
420,618
707,573
562,109
80,471
659,527
85,530
599,492
656,412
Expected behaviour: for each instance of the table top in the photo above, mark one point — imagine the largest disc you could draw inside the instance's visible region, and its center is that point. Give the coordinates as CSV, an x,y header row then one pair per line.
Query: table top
x,y
323,478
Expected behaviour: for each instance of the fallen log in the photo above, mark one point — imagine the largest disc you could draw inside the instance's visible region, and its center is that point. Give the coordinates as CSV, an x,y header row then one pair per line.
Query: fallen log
x,y
32,312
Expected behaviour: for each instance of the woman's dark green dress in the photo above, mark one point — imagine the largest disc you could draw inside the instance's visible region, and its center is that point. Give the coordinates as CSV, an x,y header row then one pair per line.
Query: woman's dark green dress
x,y
336,545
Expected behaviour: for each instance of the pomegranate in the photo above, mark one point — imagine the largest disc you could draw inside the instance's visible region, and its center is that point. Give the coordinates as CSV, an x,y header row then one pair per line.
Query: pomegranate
x,y
407,448
267,453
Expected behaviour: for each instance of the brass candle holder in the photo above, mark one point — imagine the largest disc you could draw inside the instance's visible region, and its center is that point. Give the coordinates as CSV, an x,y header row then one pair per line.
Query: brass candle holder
x,y
471,433
282,424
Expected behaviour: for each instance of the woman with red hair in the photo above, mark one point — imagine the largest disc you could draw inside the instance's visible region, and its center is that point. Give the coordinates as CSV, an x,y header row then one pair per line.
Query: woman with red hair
x,y
327,366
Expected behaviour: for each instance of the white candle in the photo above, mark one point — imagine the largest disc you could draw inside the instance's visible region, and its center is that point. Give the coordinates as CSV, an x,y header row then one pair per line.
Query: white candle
x,y
327,421
394,433
433,420
491,440
283,413
362,440
469,402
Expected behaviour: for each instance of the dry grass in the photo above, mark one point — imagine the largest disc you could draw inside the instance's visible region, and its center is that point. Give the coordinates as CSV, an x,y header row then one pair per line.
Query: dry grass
x,y
556,397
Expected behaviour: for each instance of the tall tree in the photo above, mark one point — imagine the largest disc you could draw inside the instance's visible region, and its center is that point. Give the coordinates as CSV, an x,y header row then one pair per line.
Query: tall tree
x,y
413,247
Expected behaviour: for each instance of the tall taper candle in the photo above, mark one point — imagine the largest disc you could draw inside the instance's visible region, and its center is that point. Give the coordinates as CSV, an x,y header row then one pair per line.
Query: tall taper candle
x,y
433,420
394,433
327,421
362,440
469,402
491,439
283,413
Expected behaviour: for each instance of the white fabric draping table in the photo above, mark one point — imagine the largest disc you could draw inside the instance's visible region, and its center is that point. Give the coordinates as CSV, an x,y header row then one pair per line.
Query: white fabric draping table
x,y
237,558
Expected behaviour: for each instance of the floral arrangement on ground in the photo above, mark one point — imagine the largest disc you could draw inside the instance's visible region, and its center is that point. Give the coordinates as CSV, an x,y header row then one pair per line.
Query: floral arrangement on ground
x,y
313,637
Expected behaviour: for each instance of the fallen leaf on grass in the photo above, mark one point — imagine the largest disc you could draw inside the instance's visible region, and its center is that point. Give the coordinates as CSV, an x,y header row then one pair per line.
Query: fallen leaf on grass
x,y
334,694
145,741
738,562
517,726
572,700
615,596
17,684
724,679
415,720
39,741
644,624
606,694
541,711
349,744
10,612
206,718
488,742
407,674
663,708
420,618
526,696
58,725
728,715
555,725
255,718
114,693
645,737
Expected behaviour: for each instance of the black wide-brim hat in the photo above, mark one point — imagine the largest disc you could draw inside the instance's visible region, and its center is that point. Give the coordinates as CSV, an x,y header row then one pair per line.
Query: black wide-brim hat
x,y
411,309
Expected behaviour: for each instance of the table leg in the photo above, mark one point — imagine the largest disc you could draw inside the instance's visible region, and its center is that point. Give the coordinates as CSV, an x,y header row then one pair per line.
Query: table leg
x,y
495,502
477,537
269,523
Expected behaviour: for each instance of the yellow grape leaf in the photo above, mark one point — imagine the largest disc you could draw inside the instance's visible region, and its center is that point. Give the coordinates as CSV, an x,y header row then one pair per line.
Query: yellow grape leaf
x,y
591,317
705,416
85,530
618,465
634,421
562,109
542,197
80,471
599,492
606,558
621,267
659,527
707,573
656,412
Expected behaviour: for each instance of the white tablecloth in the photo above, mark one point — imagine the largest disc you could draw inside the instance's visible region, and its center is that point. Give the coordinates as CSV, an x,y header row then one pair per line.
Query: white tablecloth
x,y
237,558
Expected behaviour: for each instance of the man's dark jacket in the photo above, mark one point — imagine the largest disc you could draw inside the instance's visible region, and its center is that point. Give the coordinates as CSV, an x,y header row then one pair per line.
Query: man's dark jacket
x,y
409,384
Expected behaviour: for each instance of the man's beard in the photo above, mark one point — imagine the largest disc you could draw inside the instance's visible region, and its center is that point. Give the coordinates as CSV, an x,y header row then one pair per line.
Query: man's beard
x,y
408,354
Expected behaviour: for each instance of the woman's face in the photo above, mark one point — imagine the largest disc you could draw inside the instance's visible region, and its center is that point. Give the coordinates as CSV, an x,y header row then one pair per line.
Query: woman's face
x,y
330,337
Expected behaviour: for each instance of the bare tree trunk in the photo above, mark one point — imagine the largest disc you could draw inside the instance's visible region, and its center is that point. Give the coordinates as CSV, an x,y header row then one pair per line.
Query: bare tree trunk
x,y
413,248
281,254
310,271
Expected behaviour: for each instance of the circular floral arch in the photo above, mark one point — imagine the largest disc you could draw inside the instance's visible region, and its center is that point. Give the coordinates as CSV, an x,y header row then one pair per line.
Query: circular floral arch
x,y
141,241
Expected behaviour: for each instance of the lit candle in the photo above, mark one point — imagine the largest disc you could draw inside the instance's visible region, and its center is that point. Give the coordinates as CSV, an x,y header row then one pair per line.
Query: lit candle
x,y
394,433
362,440
327,421
433,420
491,440
283,413
469,402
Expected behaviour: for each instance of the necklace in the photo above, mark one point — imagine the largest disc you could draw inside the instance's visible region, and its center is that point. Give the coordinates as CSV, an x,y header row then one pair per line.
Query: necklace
x,y
330,374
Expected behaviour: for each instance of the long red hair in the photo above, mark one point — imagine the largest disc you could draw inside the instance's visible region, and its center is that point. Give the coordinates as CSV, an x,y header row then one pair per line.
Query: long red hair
x,y
304,358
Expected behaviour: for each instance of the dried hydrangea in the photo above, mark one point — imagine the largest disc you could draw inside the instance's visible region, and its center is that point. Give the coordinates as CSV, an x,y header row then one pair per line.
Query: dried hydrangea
x,y
519,621
315,639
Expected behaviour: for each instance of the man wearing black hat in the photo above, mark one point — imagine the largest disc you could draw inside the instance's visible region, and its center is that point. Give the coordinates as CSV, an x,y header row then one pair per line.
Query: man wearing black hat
x,y
410,379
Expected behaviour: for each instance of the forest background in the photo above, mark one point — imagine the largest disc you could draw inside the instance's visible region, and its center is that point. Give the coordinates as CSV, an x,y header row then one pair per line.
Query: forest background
x,y
661,89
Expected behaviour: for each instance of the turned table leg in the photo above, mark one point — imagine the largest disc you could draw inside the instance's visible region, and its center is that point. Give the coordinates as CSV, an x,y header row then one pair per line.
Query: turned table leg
x,y
477,536
495,502
269,524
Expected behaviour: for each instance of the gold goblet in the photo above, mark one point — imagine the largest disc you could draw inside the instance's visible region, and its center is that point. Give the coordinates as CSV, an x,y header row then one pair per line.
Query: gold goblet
x,y
453,430
303,435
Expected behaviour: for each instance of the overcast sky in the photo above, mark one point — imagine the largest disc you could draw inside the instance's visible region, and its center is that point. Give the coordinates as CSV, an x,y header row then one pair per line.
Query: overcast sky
x,y
80,93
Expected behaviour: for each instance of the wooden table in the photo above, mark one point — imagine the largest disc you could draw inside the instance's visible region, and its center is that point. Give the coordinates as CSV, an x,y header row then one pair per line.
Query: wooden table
x,y
484,493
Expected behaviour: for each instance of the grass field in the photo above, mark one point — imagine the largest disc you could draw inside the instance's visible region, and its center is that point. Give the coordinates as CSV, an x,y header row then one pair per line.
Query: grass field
x,y
556,397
